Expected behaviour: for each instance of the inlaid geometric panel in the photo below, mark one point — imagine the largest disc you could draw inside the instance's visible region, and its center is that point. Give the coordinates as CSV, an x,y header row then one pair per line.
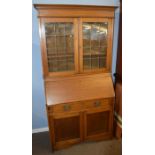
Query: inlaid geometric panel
x,y
94,45
60,46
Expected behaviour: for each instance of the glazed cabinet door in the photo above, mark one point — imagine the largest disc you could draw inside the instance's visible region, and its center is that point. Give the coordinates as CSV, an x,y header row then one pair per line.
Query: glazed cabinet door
x,y
98,124
59,45
95,44
66,129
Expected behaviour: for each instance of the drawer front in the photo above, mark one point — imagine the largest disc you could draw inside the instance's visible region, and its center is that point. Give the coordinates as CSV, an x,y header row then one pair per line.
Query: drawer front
x,y
67,107
98,103
81,106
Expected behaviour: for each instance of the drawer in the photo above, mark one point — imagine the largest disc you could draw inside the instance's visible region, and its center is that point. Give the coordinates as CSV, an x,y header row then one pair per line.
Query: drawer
x,y
97,103
67,107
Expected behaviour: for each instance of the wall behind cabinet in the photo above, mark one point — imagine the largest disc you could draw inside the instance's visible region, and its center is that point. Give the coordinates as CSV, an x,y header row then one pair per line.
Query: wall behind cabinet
x,y
39,119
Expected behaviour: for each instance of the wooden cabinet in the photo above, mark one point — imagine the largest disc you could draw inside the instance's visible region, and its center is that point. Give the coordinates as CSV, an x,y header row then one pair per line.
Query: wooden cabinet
x,y
98,121
66,129
76,47
75,122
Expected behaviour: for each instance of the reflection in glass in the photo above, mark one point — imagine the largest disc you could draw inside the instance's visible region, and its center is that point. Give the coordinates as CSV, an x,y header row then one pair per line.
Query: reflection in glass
x,y
60,46
94,45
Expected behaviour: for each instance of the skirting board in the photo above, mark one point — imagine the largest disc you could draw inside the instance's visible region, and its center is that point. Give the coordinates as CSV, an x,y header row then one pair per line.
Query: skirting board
x,y
40,130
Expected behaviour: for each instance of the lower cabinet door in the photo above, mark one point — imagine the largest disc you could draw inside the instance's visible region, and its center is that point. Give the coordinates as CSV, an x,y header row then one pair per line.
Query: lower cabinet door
x,y
98,124
67,129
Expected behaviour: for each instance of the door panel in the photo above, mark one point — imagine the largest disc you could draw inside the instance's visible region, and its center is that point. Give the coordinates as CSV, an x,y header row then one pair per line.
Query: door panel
x,y
67,129
98,124
95,46
72,45
60,37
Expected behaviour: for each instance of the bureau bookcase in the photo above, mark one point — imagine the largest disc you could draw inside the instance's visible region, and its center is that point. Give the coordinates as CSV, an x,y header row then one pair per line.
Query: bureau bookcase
x,y
76,47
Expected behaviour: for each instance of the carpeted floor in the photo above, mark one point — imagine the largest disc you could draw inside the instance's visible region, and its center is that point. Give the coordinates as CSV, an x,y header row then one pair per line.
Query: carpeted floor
x,y
41,146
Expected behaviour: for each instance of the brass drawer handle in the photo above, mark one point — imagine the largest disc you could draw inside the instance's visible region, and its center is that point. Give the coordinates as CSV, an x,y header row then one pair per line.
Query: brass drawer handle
x,y
67,107
97,103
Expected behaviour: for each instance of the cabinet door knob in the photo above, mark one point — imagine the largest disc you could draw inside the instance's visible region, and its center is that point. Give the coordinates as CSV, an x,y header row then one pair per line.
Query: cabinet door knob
x,y
97,103
67,107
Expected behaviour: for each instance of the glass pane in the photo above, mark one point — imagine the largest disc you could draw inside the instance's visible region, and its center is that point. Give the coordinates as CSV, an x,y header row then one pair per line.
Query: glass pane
x,y
94,45
87,62
60,46
95,62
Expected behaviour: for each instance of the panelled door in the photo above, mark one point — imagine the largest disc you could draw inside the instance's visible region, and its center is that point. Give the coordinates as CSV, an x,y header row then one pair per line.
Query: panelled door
x,y
76,45
59,45
98,123
95,44
67,129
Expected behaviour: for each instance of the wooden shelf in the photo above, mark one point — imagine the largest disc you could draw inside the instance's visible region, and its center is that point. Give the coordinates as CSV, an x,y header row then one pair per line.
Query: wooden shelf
x,y
94,53
57,35
60,56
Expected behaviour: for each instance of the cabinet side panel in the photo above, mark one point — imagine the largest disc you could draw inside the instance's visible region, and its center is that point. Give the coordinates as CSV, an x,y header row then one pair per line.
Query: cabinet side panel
x,y
51,128
43,47
110,45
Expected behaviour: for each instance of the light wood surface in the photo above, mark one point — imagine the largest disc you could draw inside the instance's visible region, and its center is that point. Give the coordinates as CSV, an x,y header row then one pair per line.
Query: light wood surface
x,y
74,10
66,108
110,45
79,88
79,102
75,14
97,104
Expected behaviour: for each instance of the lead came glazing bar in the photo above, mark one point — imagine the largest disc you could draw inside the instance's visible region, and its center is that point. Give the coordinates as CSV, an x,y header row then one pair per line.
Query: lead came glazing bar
x,y
94,45
59,44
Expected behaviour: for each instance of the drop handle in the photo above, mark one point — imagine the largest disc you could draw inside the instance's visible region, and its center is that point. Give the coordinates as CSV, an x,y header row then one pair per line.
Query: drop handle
x,y
67,107
97,103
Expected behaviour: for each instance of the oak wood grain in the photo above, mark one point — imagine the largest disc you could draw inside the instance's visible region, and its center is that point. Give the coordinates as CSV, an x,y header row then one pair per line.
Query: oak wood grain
x,y
45,10
77,99
79,89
